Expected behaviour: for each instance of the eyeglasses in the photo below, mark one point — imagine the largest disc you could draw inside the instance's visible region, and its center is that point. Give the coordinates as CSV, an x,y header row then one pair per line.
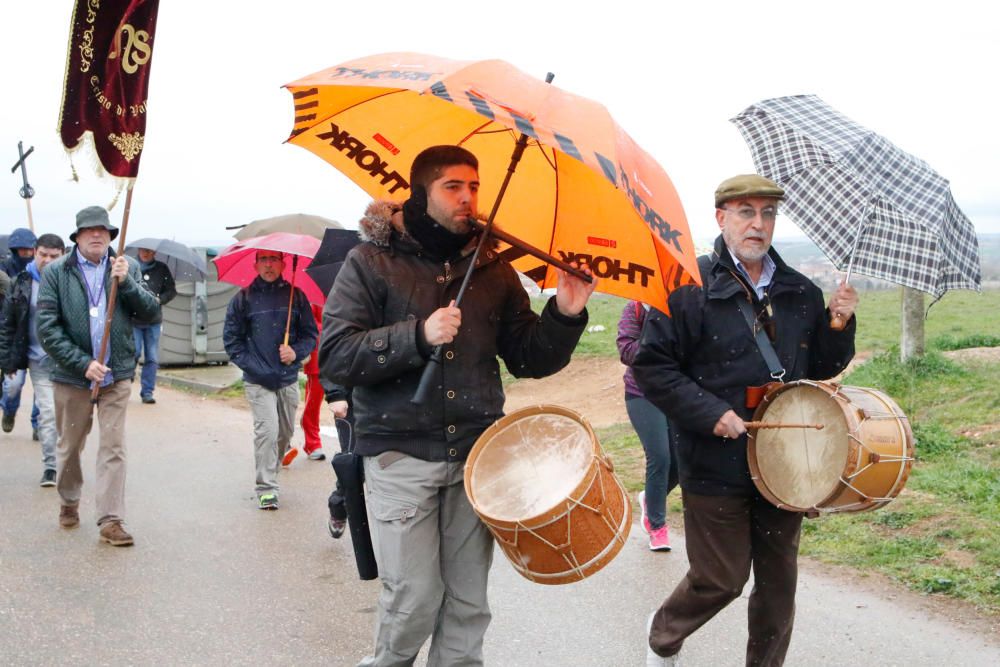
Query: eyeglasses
x,y
747,213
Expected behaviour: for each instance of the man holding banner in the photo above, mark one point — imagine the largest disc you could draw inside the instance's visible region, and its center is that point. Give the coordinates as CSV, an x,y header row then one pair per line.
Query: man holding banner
x,y
74,303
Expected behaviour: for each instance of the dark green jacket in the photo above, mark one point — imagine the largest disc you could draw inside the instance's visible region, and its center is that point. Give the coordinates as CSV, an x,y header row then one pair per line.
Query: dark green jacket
x,y
64,324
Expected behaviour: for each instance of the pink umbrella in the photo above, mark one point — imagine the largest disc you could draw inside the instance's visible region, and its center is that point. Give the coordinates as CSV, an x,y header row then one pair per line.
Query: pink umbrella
x,y
235,264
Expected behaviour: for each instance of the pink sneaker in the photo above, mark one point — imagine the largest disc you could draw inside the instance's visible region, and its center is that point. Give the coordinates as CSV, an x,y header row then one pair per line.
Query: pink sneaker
x,y
646,526
659,539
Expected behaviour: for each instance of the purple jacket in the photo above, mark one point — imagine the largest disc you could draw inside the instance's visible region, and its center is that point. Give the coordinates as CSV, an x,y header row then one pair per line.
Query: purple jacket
x,y
629,333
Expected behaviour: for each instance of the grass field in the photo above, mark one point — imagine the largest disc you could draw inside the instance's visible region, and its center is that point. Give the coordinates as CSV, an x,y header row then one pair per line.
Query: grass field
x,y
940,535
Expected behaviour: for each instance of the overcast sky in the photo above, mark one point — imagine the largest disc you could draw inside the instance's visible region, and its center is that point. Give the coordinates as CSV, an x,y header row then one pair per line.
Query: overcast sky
x,y
672,74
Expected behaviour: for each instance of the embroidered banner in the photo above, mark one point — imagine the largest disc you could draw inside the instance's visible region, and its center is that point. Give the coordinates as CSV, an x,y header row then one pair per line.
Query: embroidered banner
x,y
107,79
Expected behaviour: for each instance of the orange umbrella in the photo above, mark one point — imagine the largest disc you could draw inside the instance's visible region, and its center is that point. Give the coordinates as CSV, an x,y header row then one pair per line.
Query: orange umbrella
x,y
583,190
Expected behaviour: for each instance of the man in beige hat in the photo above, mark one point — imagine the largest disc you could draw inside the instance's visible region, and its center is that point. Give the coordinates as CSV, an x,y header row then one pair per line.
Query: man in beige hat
x,y
754,320
72,309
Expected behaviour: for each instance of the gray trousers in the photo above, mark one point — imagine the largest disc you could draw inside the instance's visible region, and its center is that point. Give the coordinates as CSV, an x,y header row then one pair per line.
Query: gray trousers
x,y
74,419
434,557
41,384
273,413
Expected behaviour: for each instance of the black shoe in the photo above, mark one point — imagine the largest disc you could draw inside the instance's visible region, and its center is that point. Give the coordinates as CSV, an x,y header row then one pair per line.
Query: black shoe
x,y
148,399
8,423
34,434
48,478
336,527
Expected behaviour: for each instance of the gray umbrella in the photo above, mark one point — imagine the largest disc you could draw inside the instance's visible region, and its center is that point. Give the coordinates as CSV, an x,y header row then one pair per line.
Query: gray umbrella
x,y
185,263
293,223
866,203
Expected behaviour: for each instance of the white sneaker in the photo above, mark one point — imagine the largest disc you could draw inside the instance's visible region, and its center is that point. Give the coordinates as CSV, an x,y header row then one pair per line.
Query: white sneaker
x,y
654,660
317,455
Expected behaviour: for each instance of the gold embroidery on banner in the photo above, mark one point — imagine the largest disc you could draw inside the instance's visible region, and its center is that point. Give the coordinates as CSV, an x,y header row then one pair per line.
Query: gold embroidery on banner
x,y
136,51
130,145
87,43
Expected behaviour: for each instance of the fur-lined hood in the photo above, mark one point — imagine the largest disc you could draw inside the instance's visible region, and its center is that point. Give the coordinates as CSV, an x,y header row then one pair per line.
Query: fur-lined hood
x,y
376,224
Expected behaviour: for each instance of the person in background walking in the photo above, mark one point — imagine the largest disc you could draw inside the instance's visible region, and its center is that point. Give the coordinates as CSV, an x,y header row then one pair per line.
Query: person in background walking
x,y
158,280
254,336
20,348
22,250
314,402
654,433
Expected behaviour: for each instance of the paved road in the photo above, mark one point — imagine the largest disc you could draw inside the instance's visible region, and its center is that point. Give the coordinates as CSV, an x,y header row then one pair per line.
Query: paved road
x,y
212,580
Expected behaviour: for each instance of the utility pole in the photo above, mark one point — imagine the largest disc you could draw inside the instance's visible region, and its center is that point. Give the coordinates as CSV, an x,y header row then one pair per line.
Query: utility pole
x,y
911,339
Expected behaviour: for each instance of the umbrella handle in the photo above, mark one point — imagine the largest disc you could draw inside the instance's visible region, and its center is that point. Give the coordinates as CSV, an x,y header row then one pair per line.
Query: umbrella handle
x,y
291,298
837,322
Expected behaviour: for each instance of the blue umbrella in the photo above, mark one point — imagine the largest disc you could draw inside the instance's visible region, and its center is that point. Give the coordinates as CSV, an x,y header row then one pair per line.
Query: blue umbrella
x,y
185,263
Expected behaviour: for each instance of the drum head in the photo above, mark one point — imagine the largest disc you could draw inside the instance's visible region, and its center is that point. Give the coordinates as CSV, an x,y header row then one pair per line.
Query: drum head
x,y
803,466
530,465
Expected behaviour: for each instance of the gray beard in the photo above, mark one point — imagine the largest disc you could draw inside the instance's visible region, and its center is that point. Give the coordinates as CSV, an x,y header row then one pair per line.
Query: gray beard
x,y
744,256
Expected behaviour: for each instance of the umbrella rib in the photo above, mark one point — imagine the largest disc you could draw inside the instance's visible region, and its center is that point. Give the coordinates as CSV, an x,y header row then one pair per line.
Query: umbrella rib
x,y
555,207
477,131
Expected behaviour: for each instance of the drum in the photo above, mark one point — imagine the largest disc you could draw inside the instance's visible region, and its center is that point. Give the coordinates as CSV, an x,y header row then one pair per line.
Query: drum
x,y
541,483
860,459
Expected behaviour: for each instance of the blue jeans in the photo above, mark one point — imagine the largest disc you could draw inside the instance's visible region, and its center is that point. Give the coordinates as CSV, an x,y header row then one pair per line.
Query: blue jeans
x,y
651,426
10,400
147,341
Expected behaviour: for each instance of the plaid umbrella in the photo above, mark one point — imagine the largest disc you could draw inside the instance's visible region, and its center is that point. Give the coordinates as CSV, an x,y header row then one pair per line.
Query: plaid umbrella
x,y
866,203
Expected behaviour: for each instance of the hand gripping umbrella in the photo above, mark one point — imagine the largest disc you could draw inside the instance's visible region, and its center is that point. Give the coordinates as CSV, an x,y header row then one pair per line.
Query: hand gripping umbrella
x,y
868,205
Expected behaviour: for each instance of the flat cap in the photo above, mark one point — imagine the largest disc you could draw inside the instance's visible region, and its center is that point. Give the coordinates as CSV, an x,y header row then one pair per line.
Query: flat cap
x,y
747,185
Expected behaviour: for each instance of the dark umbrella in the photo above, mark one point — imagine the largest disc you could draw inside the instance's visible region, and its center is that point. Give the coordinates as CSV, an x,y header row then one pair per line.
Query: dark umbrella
x,y
184,262
330,257
866,203
350,472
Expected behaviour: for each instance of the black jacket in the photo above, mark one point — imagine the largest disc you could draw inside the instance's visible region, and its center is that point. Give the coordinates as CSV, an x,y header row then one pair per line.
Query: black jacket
x,y
696,363
255,327
158,281
14,320
372,342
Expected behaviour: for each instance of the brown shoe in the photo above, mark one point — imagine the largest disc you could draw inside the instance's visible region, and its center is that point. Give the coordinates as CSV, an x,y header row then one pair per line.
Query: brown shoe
x,y
114,534
69,517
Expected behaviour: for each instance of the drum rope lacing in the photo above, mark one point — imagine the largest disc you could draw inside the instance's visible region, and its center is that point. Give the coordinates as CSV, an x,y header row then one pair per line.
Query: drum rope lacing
x,y
836,395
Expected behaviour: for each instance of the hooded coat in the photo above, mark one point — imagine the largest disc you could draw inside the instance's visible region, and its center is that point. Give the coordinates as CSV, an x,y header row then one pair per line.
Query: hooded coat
x,y
696,363
373,342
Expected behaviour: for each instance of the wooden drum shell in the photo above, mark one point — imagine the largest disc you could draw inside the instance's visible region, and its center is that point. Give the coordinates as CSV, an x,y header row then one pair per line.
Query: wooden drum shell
x,y
554,542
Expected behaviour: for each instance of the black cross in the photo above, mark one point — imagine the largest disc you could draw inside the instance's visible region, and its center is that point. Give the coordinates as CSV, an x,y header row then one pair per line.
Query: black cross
x,y
26,192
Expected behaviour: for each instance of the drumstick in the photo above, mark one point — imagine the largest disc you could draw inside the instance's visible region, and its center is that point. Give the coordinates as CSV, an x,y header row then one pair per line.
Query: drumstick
x,y
780,425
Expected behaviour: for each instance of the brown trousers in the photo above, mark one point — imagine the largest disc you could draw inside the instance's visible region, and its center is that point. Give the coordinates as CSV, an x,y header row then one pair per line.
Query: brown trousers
x,y
74,419
726,536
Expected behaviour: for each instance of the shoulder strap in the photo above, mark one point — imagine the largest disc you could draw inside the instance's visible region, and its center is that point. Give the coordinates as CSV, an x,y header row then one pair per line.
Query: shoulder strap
x,y
763,342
